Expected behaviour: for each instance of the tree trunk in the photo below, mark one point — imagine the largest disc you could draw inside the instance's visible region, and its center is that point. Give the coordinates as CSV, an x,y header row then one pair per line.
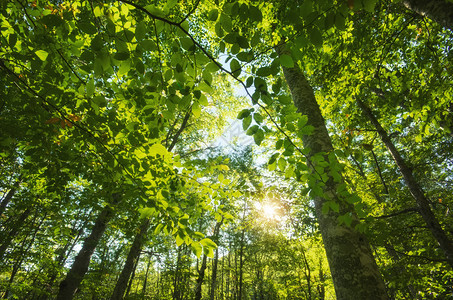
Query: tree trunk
x,y
216,259
440,11
241,264
5,201
415,189
354,271
70,284
13,232
214,274
200,278
132,258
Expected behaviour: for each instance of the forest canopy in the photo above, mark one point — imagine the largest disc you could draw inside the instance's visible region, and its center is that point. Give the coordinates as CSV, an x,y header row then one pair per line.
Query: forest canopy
x,y
226,149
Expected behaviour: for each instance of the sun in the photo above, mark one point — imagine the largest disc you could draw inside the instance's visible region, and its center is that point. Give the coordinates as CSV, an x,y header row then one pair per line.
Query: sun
x,y
269,211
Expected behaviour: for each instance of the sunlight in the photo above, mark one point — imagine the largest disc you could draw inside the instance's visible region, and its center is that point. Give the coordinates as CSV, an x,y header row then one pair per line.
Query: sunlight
x,y
269,211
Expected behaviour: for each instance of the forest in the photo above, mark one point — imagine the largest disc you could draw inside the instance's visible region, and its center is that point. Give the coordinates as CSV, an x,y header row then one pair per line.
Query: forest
x,y
226,149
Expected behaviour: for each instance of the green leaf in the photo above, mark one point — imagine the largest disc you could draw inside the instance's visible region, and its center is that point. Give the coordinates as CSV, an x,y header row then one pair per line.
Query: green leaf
x,y
258,118
213,15
252,130
87,27
235,67
196,110
100,101
244,113
121,56
196,249
90,87
246,122
179,240
281,164
149,45
206,242
316,37
255,14
225,20
258,137
42,54
286,61
146,212
140,31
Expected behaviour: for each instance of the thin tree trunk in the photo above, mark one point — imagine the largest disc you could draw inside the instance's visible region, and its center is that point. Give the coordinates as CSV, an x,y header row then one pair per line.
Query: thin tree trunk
x,y
321,287
5,201
241,264
131,260
131,280
176,293
414,187
440,11
307,273
214,274
70,284
354,271
200,278
13,232
22,254
216,259
145,282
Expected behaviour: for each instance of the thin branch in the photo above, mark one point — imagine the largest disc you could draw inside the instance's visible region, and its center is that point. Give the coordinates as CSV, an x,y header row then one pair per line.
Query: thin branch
x,y
183,126
404,211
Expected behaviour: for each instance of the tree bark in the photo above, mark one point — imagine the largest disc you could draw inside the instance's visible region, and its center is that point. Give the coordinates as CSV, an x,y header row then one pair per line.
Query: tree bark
x,y
200,278
440,11
414,187
216,259
354,271
132,257
13,232
70,284
5,201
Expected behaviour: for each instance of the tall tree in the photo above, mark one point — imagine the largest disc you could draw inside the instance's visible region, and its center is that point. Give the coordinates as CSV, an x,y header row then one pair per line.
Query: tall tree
x,y
354,271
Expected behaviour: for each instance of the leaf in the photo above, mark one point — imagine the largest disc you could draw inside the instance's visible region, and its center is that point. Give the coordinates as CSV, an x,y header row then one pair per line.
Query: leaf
x,y
246,122
316,37
158,149
258,118
281,164
87,27
225,20
213,15
179,240
196,110
196,249
140,31
206,242
42,54
235,67
100,101
146,212
252,130
255,14
90,87
258,137
148,45
286,61
244,113
121,56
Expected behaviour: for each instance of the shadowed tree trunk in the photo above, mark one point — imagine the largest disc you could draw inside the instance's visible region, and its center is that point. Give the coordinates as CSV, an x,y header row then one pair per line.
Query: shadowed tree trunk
x,y
131,260
354,271
414,187
70,284
5,201
440,11
200,278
